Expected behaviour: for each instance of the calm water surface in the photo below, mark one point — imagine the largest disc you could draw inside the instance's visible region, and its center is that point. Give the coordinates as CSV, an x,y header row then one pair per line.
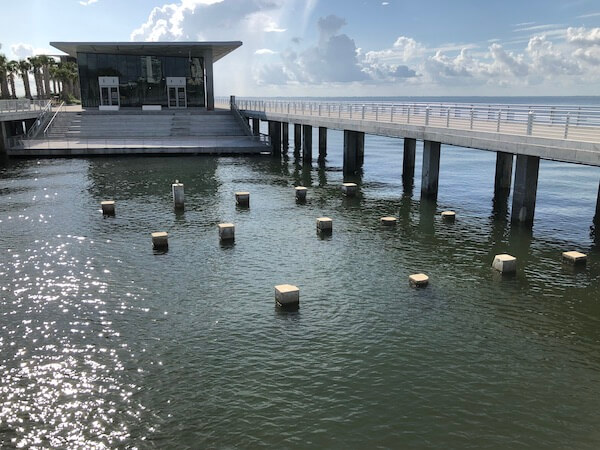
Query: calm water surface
x,y
105,343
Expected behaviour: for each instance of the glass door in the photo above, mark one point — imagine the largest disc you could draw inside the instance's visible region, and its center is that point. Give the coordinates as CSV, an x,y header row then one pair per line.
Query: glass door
x,y
109,96
177,97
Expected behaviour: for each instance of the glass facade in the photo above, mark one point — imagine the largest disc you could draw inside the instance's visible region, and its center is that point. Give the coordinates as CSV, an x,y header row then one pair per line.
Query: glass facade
x,y
142,79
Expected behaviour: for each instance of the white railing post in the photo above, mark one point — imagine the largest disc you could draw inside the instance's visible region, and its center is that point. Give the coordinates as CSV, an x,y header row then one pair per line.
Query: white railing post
x,y
472,116
447,117
328,110
350,107
427,111
567,120
288,108
376,113
408,114
392,113
340,111
498,123
530,117
319,110
552,115
578,115
363,112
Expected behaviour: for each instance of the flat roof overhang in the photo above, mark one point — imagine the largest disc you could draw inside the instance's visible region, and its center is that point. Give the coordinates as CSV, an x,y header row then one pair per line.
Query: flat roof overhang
x,y
197,49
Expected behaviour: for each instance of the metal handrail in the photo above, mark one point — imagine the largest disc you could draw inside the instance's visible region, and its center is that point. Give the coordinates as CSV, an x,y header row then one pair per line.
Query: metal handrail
x,y
33,131
558,122
62,104
239,118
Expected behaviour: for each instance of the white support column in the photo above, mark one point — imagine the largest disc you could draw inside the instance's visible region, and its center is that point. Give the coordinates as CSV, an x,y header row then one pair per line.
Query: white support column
x,y
210,91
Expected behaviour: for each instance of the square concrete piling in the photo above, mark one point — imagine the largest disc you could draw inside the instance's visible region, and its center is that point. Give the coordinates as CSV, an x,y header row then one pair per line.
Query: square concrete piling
x,y
301,193
388,221
287,295
349,189
448,216
505,263
575,258
418,280
108,207
242,199
324,225
160,240
178,194
226,231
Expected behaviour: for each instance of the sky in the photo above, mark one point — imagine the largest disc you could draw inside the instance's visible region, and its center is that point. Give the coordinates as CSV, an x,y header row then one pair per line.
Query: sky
x,y
344,48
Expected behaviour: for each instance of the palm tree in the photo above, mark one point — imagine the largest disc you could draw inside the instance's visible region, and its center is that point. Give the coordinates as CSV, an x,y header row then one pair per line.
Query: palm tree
x,y
24,68
12,69
36,64
45,62
54,76
4,93
67,74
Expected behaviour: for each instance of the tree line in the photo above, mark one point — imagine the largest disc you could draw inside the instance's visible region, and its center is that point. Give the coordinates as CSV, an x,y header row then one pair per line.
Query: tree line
x,y
50,77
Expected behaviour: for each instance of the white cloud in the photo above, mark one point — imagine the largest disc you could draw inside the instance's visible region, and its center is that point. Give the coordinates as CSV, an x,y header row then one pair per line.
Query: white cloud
x,y
550,26
87,2
385,3
584,37
585,16
22,50
264,51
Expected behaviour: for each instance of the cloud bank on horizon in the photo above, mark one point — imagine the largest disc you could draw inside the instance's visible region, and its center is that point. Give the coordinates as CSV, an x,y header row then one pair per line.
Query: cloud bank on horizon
x,y
306,47
553,59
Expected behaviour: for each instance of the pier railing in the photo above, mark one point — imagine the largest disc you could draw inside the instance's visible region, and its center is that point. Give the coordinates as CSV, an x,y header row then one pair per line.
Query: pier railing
x,y
555,122
22,105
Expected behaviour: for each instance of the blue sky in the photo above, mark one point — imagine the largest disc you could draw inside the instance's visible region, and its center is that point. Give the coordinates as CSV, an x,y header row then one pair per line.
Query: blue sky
x,y
334,47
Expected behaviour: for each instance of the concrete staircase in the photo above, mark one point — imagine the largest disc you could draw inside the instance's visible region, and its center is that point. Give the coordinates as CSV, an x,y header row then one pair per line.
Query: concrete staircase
x,y
132,124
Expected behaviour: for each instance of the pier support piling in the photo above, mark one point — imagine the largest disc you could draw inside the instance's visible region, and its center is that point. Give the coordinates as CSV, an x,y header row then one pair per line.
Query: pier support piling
x,y
504,166
408,162
255,126
597,215
226,231
285,135
322,143
297,137
431,169
275,135
354,150
525,189
307,143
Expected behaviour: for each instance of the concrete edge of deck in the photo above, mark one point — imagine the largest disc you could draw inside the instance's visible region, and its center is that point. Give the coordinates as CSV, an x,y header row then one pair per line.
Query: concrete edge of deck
x,y
141,151
571,151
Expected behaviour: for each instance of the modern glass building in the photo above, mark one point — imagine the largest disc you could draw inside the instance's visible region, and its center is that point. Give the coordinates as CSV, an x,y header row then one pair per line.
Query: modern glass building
x,y
134,74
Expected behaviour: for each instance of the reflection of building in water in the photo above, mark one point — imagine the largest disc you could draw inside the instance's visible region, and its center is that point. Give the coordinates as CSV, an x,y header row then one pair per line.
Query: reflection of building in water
x,y
133,74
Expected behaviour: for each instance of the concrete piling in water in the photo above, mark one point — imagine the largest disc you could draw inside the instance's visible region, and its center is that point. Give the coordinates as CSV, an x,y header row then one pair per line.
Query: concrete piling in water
x,y
388,221
301,193
242,199
349,189
178,194
226,231
108,207
505,263
287,295
160,240
418,280
324,225
575,258
448,216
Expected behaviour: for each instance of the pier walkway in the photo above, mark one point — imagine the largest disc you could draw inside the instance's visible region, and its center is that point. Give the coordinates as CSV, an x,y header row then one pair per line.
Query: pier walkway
x,y
531,132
